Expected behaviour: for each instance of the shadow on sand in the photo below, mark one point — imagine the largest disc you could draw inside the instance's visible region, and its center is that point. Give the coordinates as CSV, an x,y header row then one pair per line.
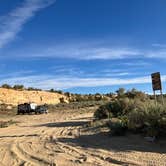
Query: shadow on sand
x,y
17,136
64,124
105,141
111,143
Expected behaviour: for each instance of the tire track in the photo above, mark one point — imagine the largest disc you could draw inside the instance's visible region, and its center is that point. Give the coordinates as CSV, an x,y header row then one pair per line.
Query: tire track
x,y
28,158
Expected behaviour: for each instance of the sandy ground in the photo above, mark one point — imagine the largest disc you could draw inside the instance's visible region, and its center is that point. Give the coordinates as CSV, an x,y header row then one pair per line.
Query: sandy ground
x,y
58,139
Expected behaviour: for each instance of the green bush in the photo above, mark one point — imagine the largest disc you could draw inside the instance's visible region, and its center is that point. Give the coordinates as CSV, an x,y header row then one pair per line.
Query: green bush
x,y
136,120
135,94
4,124
6,86
136,115
117,127
33,89
121,92
18,87
115,108
103,112
120,107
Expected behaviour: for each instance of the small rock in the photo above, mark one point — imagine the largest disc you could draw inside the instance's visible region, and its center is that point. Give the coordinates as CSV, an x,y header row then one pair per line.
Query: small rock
x,y
83,158
9,107
52,138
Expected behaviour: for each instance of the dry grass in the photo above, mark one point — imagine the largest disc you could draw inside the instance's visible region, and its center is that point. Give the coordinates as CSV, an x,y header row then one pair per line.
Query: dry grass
x,y
4,124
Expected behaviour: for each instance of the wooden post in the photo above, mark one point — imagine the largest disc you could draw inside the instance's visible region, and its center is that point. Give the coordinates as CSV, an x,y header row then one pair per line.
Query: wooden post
x,y
155,97
162,97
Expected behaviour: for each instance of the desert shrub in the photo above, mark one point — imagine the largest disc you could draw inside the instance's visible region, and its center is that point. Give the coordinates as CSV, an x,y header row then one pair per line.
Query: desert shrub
x,y
136,120
133,94
4,124
51,90
55,91
154,119
114,108
3,107
33,89
7,86
62,100
121,92
18,87
76,105
136,115
117,127
162,126
67,94
103,112
120,107
98,97
149,118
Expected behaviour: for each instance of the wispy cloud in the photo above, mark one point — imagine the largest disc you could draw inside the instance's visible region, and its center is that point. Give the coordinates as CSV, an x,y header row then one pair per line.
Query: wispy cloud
x,y
102,52
83,51
136,63
92,51
13,22
49,81
161,53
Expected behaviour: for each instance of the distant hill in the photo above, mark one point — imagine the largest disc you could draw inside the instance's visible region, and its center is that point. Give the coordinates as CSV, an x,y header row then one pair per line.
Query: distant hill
x,y
15,97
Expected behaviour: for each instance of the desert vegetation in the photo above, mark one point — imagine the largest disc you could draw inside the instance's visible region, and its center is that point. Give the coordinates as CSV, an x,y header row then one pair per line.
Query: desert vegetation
x,y
4,124
75,105
19,87
134,111
84,130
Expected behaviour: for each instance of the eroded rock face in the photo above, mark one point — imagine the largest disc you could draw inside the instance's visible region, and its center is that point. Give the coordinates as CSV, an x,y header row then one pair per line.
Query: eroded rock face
x,y
13,97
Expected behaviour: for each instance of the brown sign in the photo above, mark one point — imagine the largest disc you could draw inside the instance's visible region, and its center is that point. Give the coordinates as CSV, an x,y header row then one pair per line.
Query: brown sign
x,y
156,81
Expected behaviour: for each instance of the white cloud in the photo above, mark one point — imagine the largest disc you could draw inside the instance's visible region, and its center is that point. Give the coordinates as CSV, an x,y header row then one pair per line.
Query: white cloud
x,y
137,63
91,51
88,52
161,53
13,22
83,51
100,52
50,81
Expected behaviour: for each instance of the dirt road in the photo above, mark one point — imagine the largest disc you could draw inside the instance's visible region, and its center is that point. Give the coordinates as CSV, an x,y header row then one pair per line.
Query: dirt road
x,y
58,139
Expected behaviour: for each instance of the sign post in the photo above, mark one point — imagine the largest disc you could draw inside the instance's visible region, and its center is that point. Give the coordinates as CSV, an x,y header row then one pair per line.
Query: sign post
x,y
156,84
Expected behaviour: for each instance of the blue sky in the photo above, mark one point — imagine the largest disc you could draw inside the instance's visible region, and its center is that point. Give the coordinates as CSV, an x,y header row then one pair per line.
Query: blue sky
x,y
82,46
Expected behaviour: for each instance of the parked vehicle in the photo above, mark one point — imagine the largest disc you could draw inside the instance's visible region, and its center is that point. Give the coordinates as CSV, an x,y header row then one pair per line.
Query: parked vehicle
x,y
41,109
28,108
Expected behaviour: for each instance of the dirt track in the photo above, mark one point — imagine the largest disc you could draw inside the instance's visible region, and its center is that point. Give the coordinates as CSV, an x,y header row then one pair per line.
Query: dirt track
x,y
57,139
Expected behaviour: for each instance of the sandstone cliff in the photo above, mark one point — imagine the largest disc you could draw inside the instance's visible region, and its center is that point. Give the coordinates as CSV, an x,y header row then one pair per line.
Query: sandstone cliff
x,y
13,97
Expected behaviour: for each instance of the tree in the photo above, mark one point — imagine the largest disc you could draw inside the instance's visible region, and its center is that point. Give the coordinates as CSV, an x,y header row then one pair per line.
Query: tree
x,y
6,86
67,94
121,92
18,87
51,90
33,89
